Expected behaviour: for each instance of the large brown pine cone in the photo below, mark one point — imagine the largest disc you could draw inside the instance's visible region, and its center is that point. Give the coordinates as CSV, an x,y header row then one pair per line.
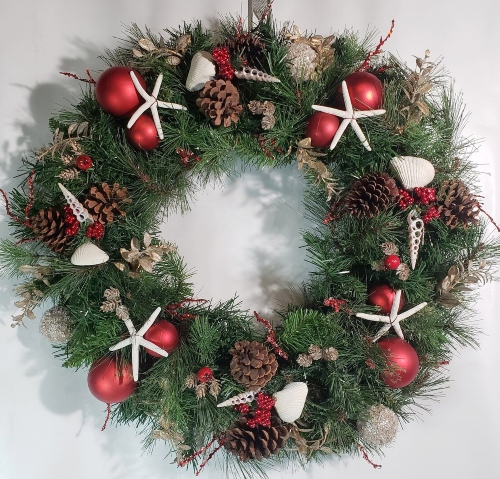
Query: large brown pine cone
x,y
49,227
456,204
220,101
258,442
247,47
252,364
371,194
104,202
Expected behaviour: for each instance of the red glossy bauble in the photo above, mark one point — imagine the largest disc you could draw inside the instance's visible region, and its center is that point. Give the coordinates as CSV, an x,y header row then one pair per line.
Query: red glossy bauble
x,y
383,295
164,334
110,379
365,91
392,261
116,93
321,128
402,362
205,374
143,134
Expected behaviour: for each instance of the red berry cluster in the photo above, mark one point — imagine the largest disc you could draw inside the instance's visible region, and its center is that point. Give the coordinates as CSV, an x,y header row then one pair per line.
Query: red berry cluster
x,y
243,408
73,226
425,196
405,199
95,231
221,57
334,303
186,156
84,162
431,214
262,415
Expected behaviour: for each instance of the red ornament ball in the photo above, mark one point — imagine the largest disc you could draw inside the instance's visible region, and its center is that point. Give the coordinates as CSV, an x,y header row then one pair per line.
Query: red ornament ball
x,y
164,334
365,91
143,135
205,374
392,262
321,128
383,295
84,162
110,379
402,362
116,93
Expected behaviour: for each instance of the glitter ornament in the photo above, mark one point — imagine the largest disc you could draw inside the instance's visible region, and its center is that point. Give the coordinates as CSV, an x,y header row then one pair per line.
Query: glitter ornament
x,y
401,360
379,426
55,325
301,57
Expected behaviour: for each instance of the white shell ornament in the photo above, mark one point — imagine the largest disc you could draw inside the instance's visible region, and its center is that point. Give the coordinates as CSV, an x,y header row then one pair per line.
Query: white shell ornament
x,y
202,70
88,254
412,171
253,74
416,236
79,211
290,401
242,398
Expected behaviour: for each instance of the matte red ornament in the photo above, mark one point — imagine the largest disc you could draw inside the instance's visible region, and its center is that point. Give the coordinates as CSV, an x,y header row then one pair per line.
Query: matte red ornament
x,y
392,262
321,128
110,379
383,295
365,91
143,134
164,334
402,362
116,93
205,374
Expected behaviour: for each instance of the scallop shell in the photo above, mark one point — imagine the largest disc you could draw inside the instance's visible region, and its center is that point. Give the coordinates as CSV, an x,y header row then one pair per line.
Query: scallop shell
x,y
290,401
202,70
88,254
413,171
248,73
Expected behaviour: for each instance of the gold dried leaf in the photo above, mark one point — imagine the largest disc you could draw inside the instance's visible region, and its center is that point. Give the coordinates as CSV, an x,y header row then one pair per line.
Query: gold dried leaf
x,y
147,45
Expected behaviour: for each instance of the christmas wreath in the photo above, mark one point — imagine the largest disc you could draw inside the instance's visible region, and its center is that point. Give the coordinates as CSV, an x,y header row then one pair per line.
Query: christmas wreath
x,y
399,240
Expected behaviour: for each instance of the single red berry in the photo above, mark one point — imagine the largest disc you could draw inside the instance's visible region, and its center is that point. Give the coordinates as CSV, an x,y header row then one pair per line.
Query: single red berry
x,y
84,162
392,262
205,374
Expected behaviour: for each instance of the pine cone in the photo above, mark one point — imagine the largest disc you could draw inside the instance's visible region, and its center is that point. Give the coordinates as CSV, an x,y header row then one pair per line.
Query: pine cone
x,y
104,202
246,46
315,352
456,204
252,364
220,101
258,442
371,194
49,227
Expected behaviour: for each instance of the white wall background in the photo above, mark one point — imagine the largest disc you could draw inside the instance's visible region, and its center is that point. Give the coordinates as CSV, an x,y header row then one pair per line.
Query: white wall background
x,y
50,423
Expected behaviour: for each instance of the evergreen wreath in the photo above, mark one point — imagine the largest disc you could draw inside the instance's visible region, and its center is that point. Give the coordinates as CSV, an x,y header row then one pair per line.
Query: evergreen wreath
x,y
400,240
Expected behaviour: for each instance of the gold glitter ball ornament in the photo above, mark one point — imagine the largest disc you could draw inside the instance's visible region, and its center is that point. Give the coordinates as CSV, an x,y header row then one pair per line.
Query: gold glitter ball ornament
x,y
55,325
379,426
302,61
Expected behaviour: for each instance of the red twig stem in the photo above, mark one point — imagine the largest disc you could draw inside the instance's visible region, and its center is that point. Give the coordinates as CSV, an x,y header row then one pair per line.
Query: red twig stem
x,y
107,416
172,308
27,208
221,440
378,49
489,217
271,337
367,459
76,77
204,463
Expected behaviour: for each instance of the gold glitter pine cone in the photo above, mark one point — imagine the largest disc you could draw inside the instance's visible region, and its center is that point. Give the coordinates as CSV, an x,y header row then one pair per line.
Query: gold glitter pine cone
x,y
252,364
49,227
371,194
104,202
258,442
456,204
219,100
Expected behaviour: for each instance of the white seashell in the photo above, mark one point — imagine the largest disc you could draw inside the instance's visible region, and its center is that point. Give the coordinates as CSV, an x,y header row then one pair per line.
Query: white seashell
x,y
248,73
88,254
79,211
202,70
412,171
242,398
416,236
290,401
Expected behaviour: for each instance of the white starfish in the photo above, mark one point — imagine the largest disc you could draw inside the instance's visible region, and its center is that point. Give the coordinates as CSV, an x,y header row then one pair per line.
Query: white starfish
x,y
136,339
393,319
349,116
151,101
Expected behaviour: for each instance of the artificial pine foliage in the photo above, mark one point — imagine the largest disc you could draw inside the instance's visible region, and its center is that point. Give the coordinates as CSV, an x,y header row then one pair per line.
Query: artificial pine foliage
x,y
343,370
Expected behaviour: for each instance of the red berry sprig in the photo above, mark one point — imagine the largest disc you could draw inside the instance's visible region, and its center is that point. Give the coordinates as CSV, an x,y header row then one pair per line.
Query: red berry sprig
x,y
431,214
221,57
405,199
73,226
243,408
334,303
84,162
262,415
205,374
95,231
425,196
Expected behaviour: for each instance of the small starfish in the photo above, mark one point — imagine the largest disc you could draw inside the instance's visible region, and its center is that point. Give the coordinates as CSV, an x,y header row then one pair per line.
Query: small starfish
x,y
393,319
151,101
349,116
136,339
